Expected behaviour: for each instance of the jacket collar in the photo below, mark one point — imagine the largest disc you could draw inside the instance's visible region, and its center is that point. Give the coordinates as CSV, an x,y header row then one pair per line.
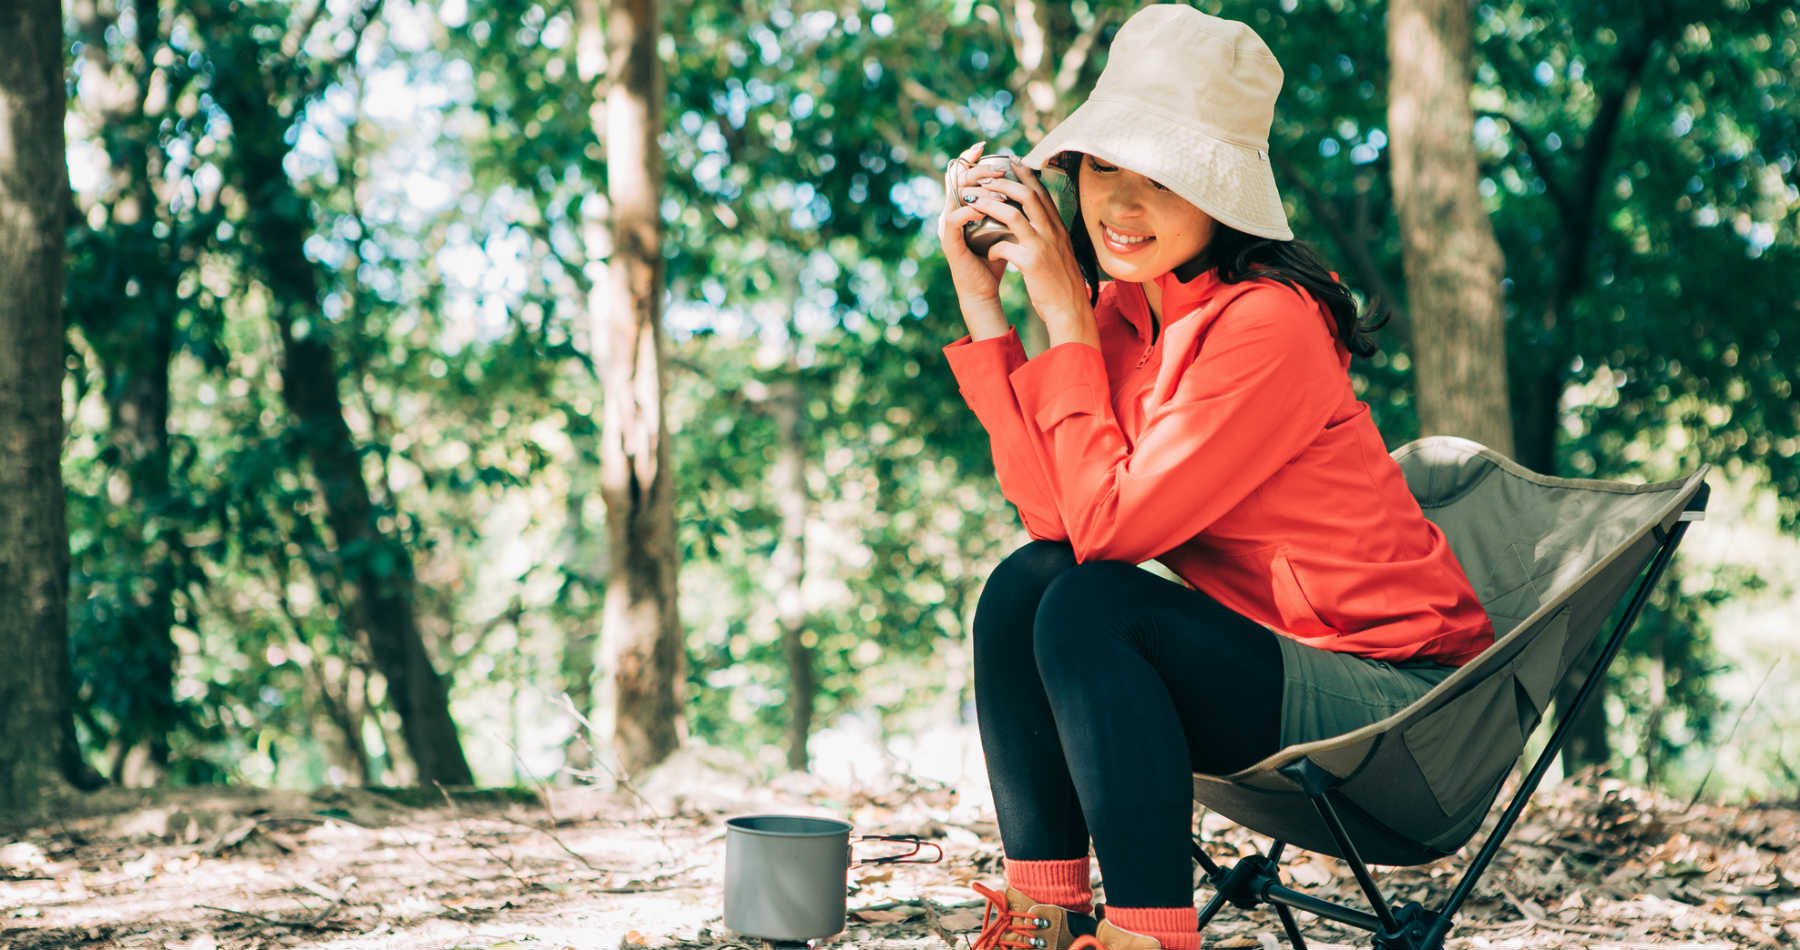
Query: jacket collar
x,y
1179,298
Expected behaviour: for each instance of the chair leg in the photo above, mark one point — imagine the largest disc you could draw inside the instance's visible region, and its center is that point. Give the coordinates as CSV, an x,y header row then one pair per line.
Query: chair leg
x,y
1293,929
1211,910
1256,880
1317,784
1206,863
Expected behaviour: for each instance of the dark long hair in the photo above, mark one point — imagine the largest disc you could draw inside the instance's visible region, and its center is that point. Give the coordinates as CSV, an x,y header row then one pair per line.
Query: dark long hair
x,y
1239,257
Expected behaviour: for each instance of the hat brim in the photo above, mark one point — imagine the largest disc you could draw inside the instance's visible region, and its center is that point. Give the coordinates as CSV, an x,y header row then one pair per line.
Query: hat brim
x,y
1233,183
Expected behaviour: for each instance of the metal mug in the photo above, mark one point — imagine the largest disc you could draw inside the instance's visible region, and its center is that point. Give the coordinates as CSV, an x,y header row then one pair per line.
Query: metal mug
x,y
787,876
984,232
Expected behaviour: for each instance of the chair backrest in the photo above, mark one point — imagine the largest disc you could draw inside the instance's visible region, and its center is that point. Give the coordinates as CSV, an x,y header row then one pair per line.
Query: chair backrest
x,y
1549,558
1523,539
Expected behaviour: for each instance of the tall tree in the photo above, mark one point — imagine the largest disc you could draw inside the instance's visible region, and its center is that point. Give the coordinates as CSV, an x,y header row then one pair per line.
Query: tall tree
x,y
641,629
376,583
38,755
126,311
1453,263
787,563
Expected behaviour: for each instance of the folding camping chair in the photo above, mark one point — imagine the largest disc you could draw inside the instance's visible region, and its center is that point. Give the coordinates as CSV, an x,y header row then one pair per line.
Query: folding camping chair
x,y
1549,558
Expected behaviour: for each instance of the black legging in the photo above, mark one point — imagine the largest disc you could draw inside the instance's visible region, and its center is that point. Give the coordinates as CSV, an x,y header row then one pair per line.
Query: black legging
x,y
1091,681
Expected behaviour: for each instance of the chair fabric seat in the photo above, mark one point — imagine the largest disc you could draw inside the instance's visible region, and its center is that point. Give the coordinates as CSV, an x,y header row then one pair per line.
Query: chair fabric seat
x,y
1549,558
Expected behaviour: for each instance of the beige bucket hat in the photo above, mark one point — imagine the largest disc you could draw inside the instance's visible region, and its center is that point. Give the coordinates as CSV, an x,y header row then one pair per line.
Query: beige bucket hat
x,y
1186,100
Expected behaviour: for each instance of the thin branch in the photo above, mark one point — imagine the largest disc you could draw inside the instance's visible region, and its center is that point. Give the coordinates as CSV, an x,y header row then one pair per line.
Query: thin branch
x,y
513,613
295,40
1540,160
1033,76
1701,789
580,858
541,231
359,23
1069,73
618,779
311,923
542,789
1355,250
921,93
471,841
1596,155
914,159
1536,918
915,93
648,884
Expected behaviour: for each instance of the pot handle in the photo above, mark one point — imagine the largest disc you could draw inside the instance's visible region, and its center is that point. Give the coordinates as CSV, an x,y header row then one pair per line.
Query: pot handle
x,y
905,857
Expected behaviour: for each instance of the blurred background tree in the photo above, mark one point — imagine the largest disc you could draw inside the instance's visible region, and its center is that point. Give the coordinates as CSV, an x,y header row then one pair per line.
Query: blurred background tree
x,y
40,760
335,412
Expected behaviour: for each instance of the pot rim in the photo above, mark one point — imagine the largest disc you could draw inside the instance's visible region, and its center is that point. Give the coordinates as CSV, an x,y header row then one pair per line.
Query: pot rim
x,y
831,827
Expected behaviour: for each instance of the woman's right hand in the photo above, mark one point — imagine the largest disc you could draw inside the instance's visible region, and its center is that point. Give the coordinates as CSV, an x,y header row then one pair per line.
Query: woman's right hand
x,y
977,280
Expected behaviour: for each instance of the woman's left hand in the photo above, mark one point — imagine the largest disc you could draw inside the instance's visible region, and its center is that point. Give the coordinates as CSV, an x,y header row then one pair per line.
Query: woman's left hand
x,y
1042,254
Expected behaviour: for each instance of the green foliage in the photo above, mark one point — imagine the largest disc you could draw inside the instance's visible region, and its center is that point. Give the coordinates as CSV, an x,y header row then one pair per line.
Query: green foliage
x,y
451,183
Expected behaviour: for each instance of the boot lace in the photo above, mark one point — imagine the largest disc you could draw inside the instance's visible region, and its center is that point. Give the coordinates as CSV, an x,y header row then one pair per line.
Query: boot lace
x,y
1002,927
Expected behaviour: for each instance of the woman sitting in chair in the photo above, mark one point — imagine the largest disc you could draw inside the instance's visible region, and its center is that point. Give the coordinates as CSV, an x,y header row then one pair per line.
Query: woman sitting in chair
x,y
1195,409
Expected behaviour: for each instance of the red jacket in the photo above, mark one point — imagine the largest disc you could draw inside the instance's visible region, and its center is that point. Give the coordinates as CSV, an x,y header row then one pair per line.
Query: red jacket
x,y
1233,450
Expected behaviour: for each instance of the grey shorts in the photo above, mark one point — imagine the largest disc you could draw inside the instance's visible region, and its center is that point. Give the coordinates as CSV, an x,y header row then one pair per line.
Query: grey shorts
x,y
1326,693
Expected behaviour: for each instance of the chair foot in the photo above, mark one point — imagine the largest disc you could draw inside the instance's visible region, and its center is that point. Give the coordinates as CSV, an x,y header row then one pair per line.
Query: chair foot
x,y
1246,882
1419,929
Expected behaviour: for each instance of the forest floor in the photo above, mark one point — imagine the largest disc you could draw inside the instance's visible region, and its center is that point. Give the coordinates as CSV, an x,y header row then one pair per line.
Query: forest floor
x,y
201,869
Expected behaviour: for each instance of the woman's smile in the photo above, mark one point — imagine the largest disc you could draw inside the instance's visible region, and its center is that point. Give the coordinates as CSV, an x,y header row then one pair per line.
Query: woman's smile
x,y
1124,242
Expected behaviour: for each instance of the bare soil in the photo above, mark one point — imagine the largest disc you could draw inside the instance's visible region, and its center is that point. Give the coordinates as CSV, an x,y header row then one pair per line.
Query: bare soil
x,y
1601,865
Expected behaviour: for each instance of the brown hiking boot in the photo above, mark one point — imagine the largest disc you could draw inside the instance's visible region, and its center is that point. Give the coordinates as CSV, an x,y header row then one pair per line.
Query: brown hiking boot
x,y
1109,937
1013,920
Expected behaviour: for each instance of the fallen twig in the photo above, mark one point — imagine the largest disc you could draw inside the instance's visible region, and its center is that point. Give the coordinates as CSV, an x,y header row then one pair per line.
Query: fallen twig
x,y
543,794
559,843
935,921
648,884
472,842
1537,918
916,902
423,857
312,923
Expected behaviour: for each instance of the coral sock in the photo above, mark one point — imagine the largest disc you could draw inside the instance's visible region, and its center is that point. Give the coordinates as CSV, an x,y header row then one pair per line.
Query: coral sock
x,y
1176,928
1063,883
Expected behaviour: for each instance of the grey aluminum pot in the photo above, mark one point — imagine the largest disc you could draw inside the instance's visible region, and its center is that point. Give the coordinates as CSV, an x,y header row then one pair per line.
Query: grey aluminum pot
x,y
786,876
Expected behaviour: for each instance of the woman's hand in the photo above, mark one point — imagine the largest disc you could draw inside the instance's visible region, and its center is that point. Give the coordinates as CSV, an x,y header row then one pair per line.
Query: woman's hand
x,y
977,281
1041,252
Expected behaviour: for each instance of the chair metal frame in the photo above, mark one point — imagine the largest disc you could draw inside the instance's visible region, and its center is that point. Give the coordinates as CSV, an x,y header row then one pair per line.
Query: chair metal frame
x,y
1256,880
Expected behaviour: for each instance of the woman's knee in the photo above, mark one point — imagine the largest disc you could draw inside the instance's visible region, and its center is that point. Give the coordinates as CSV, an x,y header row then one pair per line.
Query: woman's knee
x,y
1033,566
1081,605
1009,601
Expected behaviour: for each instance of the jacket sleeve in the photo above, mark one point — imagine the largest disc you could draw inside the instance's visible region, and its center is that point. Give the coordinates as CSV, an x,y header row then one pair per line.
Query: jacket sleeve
x,y
983,371
1260,387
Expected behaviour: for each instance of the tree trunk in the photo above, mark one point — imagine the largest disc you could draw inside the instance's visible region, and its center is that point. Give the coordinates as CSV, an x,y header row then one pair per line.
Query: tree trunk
x,y
579,634
39,757
1049,67
376,570
1452,261
787,565
640,627
134,340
